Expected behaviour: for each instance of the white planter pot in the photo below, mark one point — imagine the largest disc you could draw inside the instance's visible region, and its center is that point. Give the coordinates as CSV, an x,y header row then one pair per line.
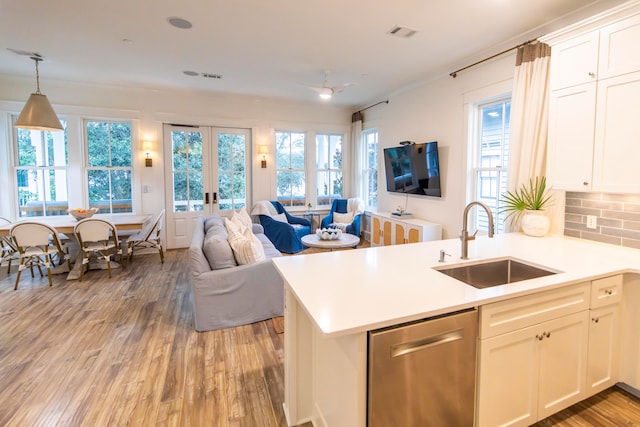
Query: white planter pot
x,y
535,223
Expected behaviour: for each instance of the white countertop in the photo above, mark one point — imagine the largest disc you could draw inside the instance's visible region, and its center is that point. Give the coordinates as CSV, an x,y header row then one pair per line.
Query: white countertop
x,y
355,291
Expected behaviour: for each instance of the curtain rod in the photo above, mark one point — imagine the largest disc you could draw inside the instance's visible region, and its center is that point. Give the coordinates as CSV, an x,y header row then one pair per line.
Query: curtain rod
x,y
371,106
454,74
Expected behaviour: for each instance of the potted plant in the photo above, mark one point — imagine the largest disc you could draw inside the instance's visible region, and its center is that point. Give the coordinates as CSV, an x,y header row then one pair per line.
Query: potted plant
x,y
527,204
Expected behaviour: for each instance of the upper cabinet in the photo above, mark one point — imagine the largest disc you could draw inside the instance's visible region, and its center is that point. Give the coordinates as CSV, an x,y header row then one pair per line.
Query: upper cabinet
x,y
575,61
593,109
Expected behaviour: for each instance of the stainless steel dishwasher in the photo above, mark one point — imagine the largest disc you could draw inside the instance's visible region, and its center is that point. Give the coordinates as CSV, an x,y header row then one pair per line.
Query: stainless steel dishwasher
x,y
423,373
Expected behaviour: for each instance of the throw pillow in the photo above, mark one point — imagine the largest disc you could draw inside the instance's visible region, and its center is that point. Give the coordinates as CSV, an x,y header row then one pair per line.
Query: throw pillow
x,y
246,247
243,217
280,217
217,250
232,225
343,218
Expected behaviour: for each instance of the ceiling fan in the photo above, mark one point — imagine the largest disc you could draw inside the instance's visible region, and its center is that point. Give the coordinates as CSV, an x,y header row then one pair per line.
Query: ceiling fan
x,y
326,91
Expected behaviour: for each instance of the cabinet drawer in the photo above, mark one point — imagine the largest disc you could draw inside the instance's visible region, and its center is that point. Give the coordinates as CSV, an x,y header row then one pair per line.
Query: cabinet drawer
x,y
606,291
510,315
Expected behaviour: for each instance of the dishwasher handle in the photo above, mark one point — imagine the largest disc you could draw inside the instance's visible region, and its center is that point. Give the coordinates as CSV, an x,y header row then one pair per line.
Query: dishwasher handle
x,y
421,344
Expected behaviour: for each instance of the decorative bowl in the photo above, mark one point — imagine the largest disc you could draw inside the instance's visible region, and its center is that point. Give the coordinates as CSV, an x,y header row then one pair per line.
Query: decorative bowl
x,y
79,214
329,233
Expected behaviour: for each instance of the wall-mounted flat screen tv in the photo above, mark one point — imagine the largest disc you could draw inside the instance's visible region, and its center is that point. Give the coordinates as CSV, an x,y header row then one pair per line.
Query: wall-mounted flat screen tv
x,y
413,169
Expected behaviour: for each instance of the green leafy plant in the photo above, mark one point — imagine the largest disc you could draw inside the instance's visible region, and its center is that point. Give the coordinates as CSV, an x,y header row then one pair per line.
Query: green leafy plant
x,y
533,196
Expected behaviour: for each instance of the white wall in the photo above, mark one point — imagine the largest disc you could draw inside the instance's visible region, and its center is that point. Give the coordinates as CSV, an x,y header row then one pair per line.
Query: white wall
x,y
436,111
150,108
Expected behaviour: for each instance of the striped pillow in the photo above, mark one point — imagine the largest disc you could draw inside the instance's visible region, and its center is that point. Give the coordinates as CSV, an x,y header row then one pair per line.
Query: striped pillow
x,y
246,247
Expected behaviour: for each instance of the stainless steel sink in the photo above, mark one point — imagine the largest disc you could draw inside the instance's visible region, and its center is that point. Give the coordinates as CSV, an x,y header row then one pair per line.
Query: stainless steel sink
x,y
494,272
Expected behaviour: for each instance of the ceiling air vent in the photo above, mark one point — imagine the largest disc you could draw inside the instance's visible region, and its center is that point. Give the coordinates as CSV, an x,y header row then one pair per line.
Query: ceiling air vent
x,y
402,32
212,76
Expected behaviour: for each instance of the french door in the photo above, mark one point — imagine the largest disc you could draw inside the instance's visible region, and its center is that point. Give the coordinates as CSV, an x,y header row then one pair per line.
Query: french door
x,y
209,172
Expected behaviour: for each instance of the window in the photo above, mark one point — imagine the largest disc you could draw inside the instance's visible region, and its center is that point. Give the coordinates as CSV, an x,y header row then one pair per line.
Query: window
x,y
41,172
290,169
370,167
109,166
329,168
491,160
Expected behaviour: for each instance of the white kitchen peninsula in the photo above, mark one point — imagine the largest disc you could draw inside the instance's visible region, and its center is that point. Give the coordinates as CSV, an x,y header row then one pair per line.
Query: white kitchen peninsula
x,y
333,299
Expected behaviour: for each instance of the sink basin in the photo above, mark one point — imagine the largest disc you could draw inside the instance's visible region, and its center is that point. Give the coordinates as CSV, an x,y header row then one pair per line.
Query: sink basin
x,y
494,272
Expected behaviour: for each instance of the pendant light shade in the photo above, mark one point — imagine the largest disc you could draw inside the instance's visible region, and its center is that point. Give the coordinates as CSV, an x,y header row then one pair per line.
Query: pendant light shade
x,y
37,113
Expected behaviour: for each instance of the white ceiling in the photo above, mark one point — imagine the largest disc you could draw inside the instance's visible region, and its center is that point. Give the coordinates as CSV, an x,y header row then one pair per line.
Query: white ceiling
x,y
270,48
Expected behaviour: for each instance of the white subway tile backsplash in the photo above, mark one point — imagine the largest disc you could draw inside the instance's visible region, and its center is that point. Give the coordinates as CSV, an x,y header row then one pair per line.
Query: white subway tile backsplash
x,y
617,215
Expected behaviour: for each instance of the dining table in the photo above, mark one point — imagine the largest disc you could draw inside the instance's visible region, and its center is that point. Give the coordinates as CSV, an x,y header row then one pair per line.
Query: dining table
x,y
64,224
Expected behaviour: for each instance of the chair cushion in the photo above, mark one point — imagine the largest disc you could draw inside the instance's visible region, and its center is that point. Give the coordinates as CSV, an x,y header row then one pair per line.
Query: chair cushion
x,y
343,218
216,248
280,217
246,247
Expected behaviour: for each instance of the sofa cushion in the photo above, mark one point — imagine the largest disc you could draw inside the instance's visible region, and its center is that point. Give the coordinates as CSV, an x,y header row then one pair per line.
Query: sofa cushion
x,y
246,247
243,217
216,247
211,221
270,251
343,218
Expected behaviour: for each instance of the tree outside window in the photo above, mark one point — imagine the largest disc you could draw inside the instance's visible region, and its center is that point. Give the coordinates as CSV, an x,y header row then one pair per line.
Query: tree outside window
x,y
290,170
188,183
232,178
109,166
329,168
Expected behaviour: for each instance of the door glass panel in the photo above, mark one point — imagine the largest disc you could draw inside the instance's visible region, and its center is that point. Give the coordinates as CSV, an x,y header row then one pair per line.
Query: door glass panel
x,y
232,179
188,188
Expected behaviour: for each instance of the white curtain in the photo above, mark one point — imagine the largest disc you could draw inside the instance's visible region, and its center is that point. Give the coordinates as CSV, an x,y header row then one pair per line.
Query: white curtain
x,y
529,109
356,156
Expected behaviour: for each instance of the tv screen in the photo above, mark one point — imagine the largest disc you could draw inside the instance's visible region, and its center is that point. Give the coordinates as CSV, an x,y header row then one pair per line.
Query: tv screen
x,y
413,169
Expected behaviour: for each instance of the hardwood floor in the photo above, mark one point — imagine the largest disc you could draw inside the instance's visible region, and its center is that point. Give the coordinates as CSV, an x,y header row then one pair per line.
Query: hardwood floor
x,y
123,351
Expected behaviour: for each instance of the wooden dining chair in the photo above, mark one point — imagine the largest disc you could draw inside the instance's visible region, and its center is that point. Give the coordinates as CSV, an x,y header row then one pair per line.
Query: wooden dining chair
x,y
148,238
37,244
8,250
98,239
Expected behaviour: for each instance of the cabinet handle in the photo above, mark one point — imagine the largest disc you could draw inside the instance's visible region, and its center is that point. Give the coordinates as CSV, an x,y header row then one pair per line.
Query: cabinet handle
x,y
608,291
585,183
547,334
595,319
540,337
592,74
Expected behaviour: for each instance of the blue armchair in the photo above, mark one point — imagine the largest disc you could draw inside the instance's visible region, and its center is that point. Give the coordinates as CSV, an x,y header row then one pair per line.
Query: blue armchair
x,y
285,236
341,206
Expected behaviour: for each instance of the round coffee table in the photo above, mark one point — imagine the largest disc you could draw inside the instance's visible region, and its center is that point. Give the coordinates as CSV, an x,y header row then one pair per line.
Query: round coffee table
x,y
345,241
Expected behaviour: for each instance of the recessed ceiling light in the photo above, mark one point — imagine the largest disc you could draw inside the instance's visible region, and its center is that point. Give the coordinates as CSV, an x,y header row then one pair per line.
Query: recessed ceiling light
x,y
403,32
183,24
191,73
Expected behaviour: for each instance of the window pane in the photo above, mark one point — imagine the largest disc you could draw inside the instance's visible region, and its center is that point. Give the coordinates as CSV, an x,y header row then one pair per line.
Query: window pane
x,y
225,188
297,151
239,190
196,191
224,152
335,151
180,203
27,147
98,144
56,149
283,150
120,142
99,194
121,191
195,151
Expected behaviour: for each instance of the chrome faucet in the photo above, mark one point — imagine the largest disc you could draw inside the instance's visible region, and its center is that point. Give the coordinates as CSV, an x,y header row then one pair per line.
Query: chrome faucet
x,y
464,236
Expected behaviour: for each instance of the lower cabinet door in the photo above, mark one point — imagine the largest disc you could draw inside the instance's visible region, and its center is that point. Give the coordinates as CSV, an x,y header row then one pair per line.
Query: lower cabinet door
x,y
376,231
508,379
563,362
604,342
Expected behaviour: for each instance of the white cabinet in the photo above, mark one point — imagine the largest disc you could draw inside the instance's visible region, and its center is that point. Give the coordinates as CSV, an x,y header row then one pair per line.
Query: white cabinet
x,y
593,127
528,373
604,334
616,149
575,61
572,116
388,230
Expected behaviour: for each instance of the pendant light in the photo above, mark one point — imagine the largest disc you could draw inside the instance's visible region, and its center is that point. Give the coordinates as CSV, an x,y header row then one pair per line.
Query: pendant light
x,y
37,113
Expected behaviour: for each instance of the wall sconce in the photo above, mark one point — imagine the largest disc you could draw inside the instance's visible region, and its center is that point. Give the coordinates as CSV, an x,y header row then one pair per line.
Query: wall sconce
x,y
262,149
147,146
